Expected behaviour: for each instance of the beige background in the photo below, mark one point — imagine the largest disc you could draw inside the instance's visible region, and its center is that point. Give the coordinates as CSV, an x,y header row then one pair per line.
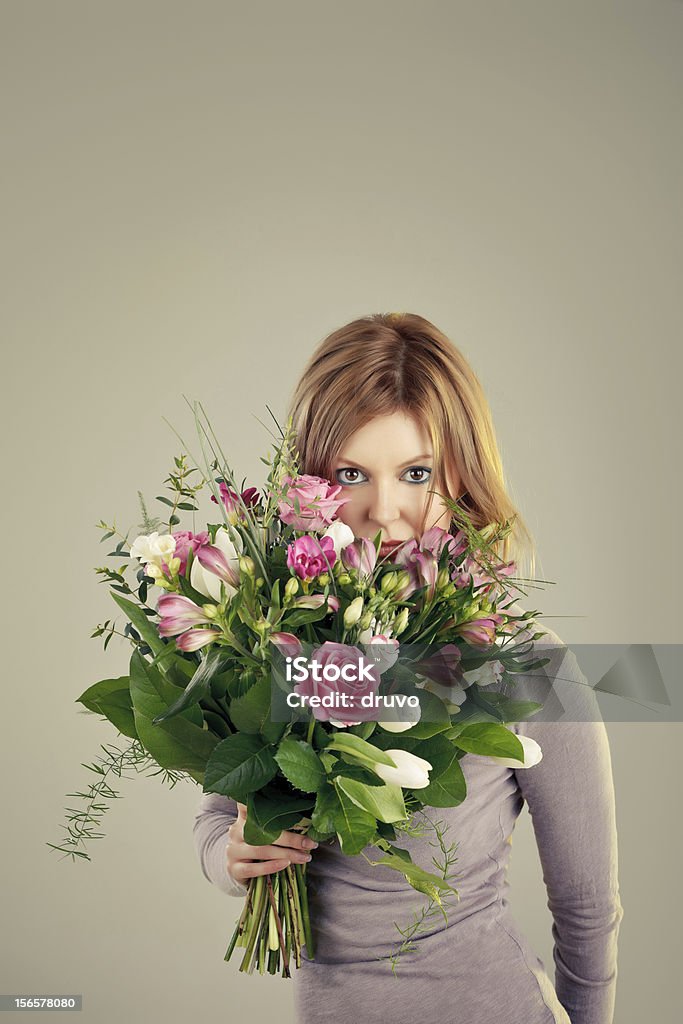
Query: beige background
x,y
194,195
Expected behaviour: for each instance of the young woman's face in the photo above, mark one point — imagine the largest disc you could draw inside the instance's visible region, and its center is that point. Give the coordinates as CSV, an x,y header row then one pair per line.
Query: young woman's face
x,y
386,468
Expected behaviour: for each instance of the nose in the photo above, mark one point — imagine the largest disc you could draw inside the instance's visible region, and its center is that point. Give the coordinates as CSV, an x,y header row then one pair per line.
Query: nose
x,y
384,508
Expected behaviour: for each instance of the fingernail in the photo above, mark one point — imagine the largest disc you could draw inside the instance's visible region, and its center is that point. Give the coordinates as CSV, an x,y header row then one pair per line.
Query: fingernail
x,y
310,844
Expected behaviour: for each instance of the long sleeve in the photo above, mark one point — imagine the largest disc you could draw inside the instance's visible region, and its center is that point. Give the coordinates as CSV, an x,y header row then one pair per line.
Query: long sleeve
x,y
214,817
570,796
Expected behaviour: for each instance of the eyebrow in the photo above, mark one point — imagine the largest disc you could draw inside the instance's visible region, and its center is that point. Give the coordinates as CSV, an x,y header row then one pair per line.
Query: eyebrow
x,y
426,455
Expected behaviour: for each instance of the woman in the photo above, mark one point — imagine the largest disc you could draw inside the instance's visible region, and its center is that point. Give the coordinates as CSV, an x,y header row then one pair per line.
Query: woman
x,y
389,408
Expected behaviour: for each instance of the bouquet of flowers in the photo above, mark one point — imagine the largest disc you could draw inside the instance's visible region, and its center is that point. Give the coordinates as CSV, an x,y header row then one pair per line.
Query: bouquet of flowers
x,y
285,665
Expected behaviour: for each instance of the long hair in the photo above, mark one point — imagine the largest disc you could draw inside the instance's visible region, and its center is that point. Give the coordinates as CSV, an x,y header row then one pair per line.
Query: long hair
x,y
399,362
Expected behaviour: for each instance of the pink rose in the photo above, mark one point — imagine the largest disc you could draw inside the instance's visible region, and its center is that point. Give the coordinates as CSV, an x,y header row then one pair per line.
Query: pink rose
x,y
309,557
317,501
341,655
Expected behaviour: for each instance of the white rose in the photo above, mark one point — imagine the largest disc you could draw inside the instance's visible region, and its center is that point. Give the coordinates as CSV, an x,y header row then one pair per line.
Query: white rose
x,y
411,771
341,534
153,547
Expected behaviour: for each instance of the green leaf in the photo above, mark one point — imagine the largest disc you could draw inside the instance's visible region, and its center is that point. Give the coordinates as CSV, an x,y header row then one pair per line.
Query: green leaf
x,y
147,630
198,688
252,711
182,743
423,881
326,808
239,765
267,818
355,827
301,765
111,698
383,802
447,786
360,748
490,740
302,617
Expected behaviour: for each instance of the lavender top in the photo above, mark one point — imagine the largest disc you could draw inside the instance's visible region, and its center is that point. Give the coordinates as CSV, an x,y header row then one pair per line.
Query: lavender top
x,y
479,967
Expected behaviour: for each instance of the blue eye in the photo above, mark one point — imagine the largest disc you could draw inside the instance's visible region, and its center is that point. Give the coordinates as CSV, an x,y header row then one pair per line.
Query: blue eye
x,y
413,469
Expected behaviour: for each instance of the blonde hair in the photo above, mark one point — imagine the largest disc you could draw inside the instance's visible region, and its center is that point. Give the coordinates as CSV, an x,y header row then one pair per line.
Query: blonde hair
x,y
399,362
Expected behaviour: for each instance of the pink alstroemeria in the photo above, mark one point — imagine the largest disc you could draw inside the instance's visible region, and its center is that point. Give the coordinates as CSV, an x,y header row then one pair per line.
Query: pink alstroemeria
x,y
442,666
480,632
213,559
178,613
435,539
317,601
361,556
423,570
193,639
231,500
287,643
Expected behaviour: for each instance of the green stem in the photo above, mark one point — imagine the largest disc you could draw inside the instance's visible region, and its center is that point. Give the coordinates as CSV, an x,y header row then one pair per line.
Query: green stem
x,y
303,896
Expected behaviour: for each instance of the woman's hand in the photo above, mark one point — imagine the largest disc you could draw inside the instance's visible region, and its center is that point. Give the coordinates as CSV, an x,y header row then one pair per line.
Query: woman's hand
x,y
245,861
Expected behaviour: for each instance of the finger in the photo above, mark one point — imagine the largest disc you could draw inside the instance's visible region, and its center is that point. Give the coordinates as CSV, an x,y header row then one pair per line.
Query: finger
x,y
295,840
241,812
244,869
247,852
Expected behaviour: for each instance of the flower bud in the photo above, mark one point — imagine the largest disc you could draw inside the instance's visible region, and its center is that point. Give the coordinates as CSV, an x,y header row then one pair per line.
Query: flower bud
x,y
353,612
174,565
367,620
210,610
388,582
247,565
291,587
443,579
344,579
324,579
401,621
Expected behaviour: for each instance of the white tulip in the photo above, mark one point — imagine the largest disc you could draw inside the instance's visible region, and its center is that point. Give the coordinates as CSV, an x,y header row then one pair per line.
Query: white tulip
x,y
532,755
341,534
207,583
411,771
